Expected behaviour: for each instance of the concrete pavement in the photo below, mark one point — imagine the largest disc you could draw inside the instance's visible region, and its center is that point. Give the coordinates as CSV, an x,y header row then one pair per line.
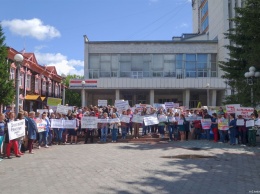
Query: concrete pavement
x,y
134,168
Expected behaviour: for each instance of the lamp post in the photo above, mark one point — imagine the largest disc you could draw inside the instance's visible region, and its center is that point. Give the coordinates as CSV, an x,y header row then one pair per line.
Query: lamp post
x,y
83,93
207,86
250,78
18,59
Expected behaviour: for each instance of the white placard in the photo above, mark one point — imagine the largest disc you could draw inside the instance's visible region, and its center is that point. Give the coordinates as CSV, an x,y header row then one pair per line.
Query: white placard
x,y
257,122
171,119
89,122
180,122
250,123
41,125
231,108
168,105
240,122
137,119
63,109
125,118
205,123
102,102
69,124
162,118
151,120
114,120
103,120
56,123
245,112
42,111
16,129
121,105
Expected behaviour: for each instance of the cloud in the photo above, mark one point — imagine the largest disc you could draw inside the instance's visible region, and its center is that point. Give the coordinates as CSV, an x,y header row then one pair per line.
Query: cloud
x,y
184,25
62,64
32,28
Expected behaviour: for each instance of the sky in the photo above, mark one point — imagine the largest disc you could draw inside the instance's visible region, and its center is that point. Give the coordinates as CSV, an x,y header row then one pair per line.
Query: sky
x,y
53,29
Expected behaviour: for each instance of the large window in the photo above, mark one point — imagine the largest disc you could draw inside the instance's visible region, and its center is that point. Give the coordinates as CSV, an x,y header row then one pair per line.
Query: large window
x,y
205,24
36,84
202,61
190,65
50,88
12,74
204,9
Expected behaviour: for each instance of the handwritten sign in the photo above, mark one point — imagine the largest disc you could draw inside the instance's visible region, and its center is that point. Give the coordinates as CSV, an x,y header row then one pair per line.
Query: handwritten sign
x,y
162,118
89,122
16,129
244,111
63,109
206,123
223,124
102,102
257,123
125,118
41,125
150,120
240,122
250,123
231,108
137,119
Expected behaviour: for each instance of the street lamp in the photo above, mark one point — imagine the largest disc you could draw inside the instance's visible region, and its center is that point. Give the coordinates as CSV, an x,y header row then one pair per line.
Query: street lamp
x,y
18,59
83,93
207,86
250,77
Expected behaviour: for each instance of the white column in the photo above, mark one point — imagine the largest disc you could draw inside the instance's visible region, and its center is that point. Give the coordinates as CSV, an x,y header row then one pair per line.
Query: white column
x,y
213,97
151,97
186,98
117,95
83,98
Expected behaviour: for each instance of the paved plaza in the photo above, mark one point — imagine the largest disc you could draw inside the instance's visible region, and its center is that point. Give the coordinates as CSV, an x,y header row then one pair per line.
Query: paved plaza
x,y
134,168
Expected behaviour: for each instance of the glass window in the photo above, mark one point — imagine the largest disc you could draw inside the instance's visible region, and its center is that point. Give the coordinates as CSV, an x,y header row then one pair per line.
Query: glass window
x,y
205,24
179,61
21,79
50,89
36,88
114,62
28,82
125,66
105,66
94,62
157,62
105,57
125,57
202,61
12,73
204,9
137,62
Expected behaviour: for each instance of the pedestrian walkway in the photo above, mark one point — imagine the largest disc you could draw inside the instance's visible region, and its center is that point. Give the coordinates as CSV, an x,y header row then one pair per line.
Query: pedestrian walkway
x,y
134,168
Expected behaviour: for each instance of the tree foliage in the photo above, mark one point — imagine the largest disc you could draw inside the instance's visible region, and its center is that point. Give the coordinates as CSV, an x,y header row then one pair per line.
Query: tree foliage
x,y
7,90
244,51
72,97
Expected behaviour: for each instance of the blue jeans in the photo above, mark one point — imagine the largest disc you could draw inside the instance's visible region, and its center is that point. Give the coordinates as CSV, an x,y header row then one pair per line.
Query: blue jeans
x,y
232,136
58,134
114,134
1,141
161,129
123,129
144,130
104,134
207,132
43,138
222,134
170,129
50,137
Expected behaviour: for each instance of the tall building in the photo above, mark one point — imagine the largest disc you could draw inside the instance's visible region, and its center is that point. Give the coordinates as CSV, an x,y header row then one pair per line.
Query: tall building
x,y
184,69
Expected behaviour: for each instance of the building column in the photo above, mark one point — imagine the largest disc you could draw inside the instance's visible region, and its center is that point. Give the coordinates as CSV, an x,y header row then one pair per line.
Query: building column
x,y
83,98
213,97
186,98
151,97
117,95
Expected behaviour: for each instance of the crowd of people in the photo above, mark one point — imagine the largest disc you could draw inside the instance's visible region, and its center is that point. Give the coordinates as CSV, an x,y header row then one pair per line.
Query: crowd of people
x,y
170,129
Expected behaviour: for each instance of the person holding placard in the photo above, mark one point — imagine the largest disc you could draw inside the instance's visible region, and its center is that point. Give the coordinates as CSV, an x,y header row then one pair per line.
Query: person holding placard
x,y
144,128
197,131
31,127
114,127
11,143
43,136
171,123
232,129
73,132
251,131
242,130
214,126
123,126
104,128
136,126
162,122
181,127
58,131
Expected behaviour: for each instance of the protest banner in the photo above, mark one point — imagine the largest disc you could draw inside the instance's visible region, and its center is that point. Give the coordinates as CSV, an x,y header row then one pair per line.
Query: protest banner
x,y
125,118
89,122
223,124
121,105
151,120
231,108
41,125
162,118
53,101
56,123
63,109
103,120
205,123
240,122
250,123
102,102
16,129
169,105
69,124
137,119
114,120
245,112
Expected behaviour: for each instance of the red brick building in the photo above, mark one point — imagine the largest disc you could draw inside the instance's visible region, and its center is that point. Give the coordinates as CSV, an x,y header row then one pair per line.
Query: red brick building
x,y
37,82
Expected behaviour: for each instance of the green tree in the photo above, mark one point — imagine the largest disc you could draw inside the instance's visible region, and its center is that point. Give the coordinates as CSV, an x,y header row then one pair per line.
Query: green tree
x,y
7,90
244,50
72,97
